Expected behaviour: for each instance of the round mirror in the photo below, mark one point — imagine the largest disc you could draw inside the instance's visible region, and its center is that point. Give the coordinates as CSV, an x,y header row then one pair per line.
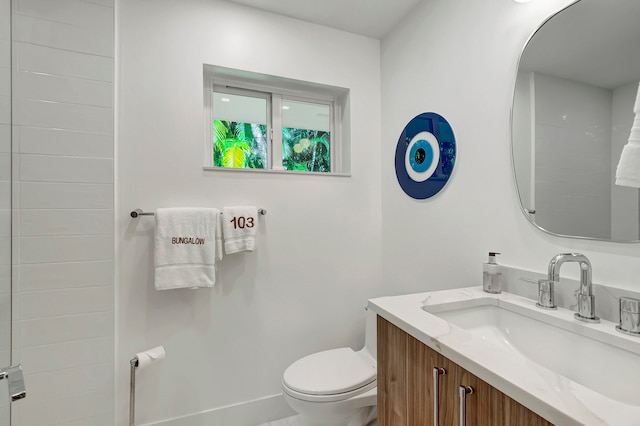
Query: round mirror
x,y
572,114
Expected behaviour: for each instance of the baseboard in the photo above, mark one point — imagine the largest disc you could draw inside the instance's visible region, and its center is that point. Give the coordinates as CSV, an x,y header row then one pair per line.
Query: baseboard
x,y
248,413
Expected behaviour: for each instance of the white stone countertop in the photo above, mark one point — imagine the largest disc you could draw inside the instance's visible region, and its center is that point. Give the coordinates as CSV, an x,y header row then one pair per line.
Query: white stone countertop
x,y
556,398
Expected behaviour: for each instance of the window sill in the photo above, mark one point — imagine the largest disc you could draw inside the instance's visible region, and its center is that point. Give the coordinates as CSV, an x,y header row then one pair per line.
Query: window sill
x,y
270,171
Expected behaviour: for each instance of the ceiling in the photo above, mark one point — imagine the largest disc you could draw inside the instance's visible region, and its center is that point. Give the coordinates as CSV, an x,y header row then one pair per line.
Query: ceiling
x,y
590,41
371,18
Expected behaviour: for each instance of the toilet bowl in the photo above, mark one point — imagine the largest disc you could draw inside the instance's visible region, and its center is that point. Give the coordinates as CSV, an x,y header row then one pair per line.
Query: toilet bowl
x,y
336,387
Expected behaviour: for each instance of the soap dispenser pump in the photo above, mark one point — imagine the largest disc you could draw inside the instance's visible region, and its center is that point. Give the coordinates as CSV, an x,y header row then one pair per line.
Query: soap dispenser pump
x,y
492,275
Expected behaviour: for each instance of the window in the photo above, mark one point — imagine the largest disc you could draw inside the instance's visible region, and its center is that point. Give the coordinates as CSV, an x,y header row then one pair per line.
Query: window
x,y
269,123
240,129
306,136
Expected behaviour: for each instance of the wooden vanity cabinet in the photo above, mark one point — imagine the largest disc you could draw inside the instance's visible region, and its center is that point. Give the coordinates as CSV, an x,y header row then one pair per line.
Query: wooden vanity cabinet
x,y
406,388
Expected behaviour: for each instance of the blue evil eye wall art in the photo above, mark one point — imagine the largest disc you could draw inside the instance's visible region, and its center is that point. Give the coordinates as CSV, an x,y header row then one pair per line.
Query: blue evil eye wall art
x,y
425,155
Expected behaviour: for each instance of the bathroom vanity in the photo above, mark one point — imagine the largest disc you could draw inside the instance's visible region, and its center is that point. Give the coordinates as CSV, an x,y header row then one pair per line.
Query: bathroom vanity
x,y
500,360
408,388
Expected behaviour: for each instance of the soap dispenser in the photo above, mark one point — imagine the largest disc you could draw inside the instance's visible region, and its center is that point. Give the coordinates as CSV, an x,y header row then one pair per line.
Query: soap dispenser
x,y
492,275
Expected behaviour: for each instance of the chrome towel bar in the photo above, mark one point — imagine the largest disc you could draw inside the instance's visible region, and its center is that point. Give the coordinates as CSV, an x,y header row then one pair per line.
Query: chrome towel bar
x,y
138,212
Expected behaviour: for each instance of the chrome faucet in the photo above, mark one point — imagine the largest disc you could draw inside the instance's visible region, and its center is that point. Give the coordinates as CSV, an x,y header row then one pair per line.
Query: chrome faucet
x,y
586,299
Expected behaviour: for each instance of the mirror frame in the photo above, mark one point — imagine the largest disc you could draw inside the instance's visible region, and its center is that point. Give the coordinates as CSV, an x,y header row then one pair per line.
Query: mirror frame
x,y
526,212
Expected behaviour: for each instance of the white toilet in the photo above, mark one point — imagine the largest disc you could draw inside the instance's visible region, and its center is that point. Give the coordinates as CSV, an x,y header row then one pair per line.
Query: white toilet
x,y
335,387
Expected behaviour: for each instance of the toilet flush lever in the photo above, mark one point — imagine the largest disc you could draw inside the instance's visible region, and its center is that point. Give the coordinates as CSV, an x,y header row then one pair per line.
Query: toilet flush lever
x,y
15,377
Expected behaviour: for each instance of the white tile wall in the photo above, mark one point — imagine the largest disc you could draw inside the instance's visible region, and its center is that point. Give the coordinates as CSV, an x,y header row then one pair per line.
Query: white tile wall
x,y
4,407
5,23
5,166
87,410
41,113
5,138
38,140
5,224
55,303
53,357
5,45
47,195
51,168
85,39
63,89
5,83
33,57
5,252
65,222
5,272
5,198
5,192
5,110
63,316
47,331
65,249
77,380
572,137
47,276
75,12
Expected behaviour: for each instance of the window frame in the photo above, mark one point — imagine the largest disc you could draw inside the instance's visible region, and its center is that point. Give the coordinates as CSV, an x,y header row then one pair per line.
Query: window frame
x,y
275,95
247,93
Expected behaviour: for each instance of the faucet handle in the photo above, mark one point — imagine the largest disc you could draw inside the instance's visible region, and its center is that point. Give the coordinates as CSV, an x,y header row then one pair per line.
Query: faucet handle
x,y
629,316
546,295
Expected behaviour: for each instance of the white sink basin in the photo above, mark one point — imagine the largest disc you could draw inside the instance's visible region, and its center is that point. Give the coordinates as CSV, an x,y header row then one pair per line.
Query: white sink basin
x,y
592,355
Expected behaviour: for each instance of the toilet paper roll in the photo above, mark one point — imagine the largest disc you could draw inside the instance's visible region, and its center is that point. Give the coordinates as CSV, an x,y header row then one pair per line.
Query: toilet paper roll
x,y
147,357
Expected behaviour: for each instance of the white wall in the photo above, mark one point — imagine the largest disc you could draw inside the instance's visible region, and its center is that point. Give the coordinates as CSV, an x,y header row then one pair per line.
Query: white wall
x,y
63,305
463,57
318,256
573,157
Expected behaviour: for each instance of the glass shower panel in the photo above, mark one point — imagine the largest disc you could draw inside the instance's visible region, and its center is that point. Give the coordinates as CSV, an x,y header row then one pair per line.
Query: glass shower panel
x,y
5,202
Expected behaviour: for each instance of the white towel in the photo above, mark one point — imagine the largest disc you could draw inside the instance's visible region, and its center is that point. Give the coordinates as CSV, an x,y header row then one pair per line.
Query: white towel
x,y
628,170
187,245
239,226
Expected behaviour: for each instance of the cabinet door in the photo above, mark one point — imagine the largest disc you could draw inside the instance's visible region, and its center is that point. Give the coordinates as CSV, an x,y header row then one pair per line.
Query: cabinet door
x,y
421,390
419,383
449,383
484,405
487,406
516,414
392,374
406,392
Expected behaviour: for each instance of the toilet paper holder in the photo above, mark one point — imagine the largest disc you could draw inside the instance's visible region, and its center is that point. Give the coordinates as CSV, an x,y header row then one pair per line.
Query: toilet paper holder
x,y
14,376
132,391
141,360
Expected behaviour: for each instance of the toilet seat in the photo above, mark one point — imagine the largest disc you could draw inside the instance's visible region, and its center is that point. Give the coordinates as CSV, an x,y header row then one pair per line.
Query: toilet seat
x,y
331,375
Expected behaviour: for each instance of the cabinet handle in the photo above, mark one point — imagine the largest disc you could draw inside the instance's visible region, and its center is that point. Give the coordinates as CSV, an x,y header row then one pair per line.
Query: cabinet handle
x,y
463,391
437,372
